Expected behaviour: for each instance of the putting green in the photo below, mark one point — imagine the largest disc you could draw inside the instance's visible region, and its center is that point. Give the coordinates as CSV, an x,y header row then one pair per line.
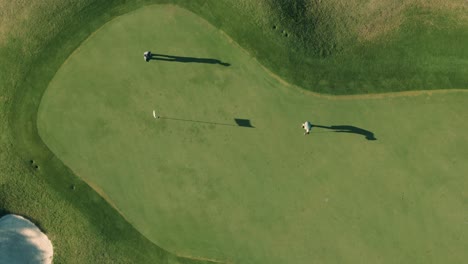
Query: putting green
x,y
197,184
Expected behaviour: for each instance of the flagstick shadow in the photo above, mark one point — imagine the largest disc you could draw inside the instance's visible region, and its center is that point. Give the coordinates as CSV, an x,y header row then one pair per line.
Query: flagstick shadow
x,y
240,122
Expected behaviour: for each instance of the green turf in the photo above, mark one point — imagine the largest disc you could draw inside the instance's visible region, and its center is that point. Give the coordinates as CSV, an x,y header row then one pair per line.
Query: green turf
x,y
36,37
205,187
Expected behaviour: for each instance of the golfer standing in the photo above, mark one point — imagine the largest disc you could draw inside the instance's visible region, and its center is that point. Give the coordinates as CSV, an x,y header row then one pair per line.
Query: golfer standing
x,y
307,126
147,55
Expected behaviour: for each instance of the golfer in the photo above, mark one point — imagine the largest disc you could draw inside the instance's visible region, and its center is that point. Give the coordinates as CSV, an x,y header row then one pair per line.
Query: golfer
x,y
307,126
147,55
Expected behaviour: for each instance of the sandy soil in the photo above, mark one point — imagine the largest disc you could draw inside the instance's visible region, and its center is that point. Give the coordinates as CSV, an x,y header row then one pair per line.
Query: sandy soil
x,y
22,242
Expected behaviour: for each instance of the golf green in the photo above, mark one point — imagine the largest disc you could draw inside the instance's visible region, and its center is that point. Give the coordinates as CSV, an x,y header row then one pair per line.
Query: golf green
x,y
200,184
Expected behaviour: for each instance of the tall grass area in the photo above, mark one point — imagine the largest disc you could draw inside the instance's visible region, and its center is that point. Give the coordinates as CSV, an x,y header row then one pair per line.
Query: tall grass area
x,y
335,47
351,47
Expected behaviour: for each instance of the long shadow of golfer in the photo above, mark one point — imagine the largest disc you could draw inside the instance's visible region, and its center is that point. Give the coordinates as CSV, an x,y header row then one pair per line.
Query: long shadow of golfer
x,y
240,122
349,129
165,57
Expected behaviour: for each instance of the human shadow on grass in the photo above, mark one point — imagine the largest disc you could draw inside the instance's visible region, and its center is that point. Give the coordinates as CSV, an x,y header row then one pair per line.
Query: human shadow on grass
x,y
350,129
240,122
172,58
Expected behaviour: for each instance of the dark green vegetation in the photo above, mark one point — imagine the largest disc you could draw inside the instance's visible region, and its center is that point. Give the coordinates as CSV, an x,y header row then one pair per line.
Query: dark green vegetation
x,y
349,47
37,37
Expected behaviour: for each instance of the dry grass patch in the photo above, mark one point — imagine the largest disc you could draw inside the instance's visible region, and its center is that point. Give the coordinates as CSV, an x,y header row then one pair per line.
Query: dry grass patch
x,y
373,18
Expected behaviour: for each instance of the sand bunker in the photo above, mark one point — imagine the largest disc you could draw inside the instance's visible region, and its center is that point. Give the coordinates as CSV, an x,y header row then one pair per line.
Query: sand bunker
x,y
22,242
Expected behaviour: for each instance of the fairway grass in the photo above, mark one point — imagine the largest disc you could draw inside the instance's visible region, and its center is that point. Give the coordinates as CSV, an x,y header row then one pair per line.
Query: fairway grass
x,y
197,184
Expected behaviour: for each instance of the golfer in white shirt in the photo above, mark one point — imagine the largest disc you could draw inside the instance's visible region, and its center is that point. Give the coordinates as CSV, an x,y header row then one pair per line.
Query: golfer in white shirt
x,y
307,126
147,55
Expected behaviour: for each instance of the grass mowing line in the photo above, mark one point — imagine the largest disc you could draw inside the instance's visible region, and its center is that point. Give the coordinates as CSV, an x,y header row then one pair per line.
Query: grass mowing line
x,y
387,95
103,195
387,63
342,97
356,96
203,259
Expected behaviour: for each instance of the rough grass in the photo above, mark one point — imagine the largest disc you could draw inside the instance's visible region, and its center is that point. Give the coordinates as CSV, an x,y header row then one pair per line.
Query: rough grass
x,y
36,37
350,47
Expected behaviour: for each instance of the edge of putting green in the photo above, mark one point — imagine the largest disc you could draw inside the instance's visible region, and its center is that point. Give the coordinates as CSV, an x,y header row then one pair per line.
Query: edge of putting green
x,y
382,95
28,144
28,141
375,96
